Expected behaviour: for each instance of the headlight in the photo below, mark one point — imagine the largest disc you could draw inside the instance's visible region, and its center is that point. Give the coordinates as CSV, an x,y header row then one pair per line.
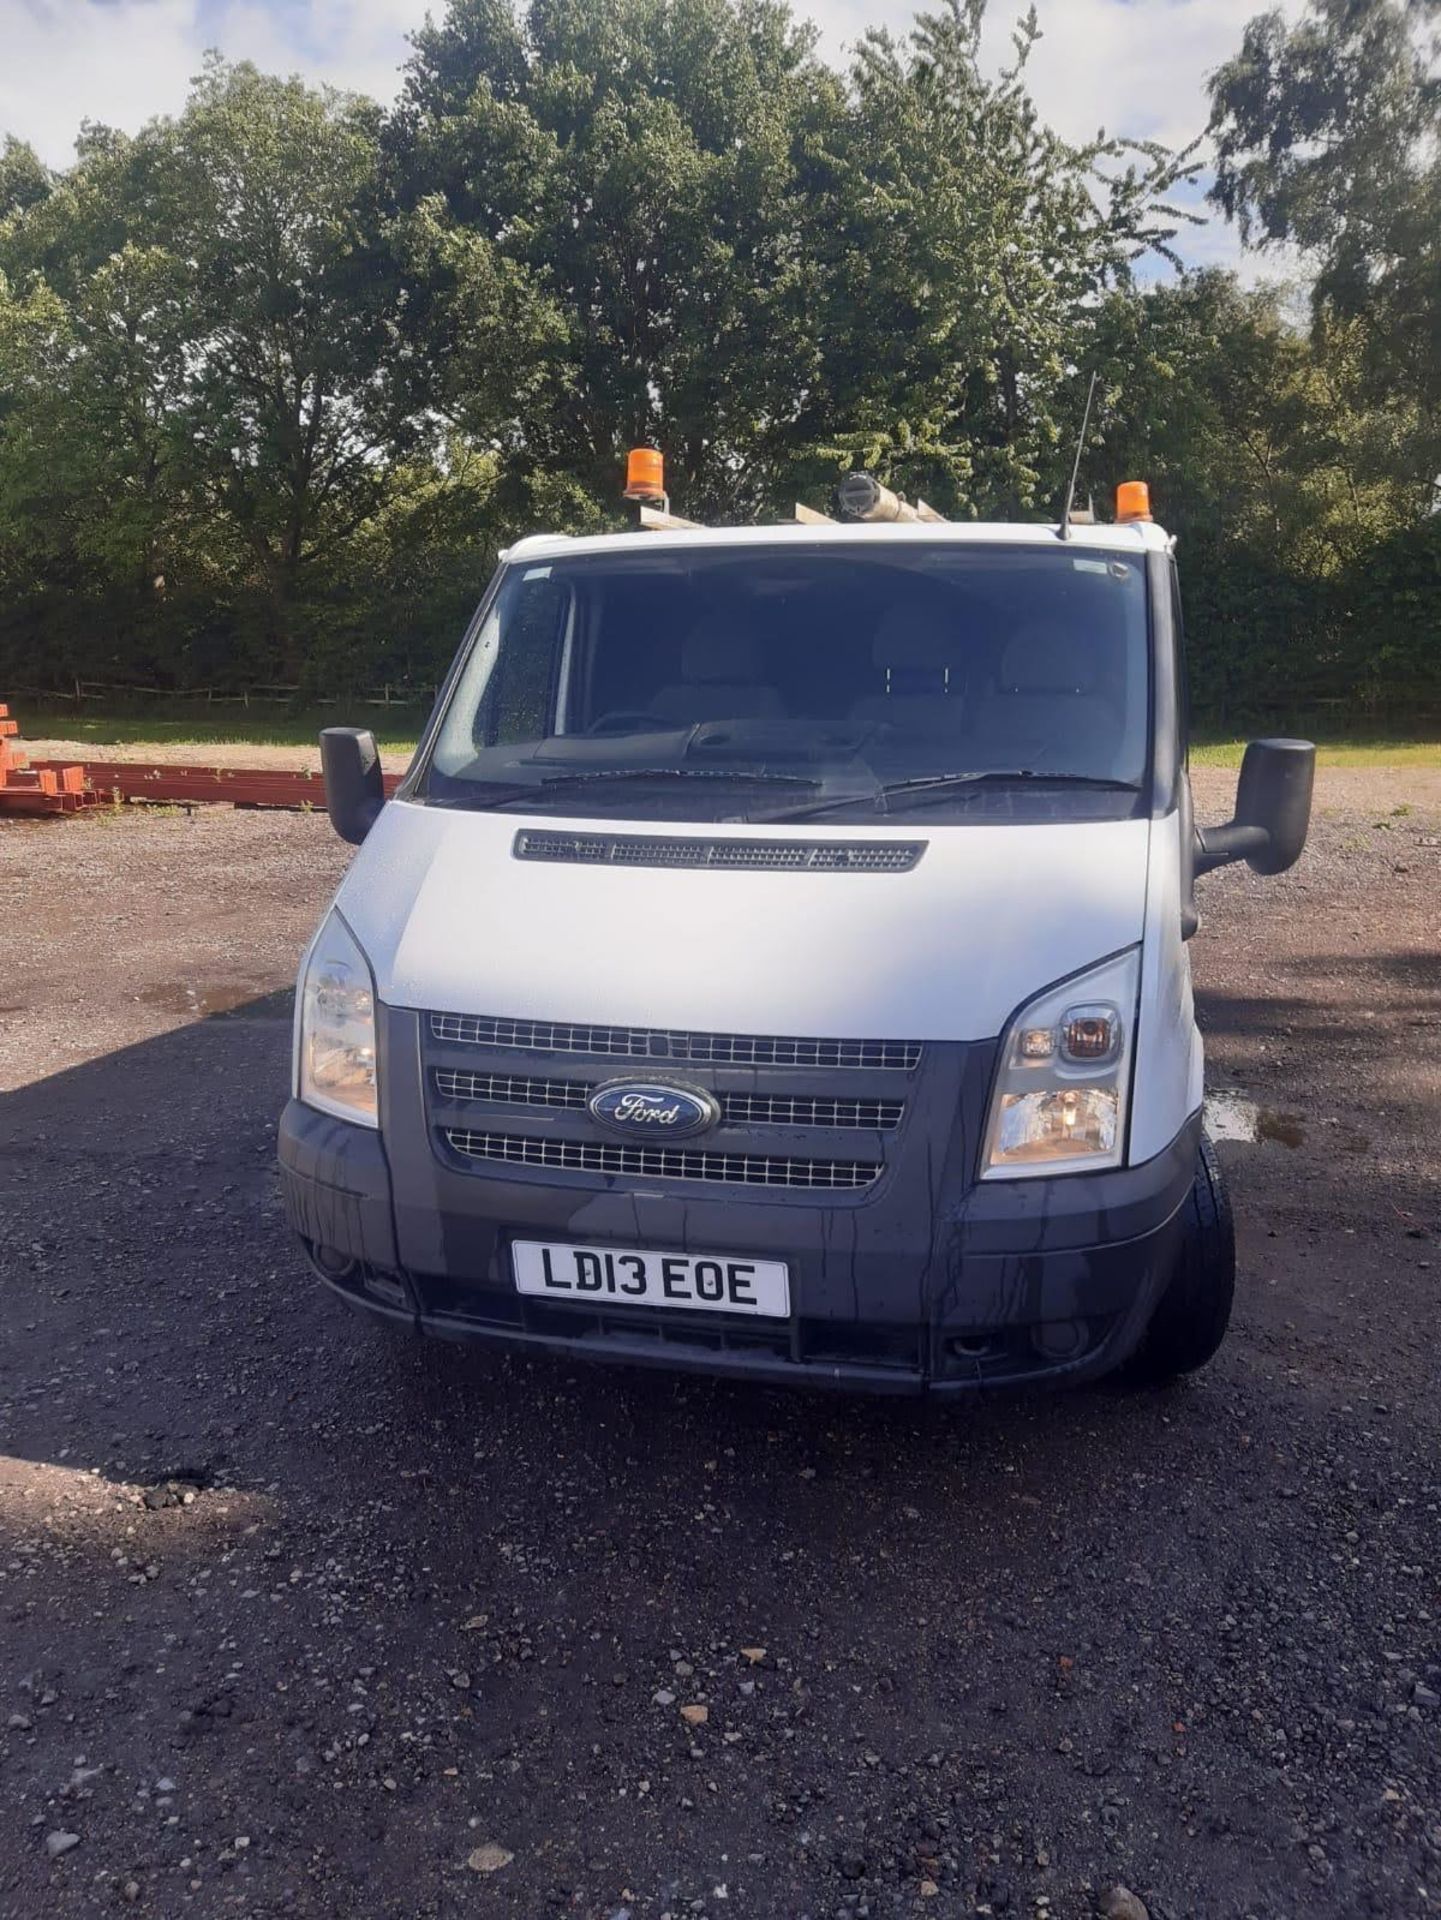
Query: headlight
x,y
1059,1104
335,1039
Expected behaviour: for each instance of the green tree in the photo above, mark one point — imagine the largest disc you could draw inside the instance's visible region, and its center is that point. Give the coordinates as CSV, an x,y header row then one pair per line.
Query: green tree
x,y
88,482
1328,135
1267,460
624,175
232,376
24,178
279,375
293,400
960,248
724,248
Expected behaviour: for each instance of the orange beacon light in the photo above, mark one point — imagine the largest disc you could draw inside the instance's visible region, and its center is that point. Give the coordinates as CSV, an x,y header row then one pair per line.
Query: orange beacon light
x,y
644,474
1133,500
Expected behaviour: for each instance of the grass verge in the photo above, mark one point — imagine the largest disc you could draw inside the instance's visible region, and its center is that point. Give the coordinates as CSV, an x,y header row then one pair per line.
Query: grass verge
x,y
398,728
1379,752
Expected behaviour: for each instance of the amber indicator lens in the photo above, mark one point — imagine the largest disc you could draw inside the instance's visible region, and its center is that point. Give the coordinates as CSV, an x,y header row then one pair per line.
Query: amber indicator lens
x,y
1090,1033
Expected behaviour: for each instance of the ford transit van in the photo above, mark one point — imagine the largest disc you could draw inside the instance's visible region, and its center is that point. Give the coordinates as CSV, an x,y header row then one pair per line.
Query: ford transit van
x,y
775,963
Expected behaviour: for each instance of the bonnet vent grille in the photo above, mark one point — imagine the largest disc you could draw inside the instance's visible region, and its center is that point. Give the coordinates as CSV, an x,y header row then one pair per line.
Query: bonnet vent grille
x,y
656,850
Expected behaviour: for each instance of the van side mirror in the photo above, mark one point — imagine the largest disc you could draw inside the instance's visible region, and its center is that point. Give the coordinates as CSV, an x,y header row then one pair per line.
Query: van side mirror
x,y
1273,810
354,790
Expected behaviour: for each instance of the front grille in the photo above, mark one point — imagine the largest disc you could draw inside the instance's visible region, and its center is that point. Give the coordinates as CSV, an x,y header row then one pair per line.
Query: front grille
x,y
737,1109
661,1163
655,1043
786,1110
512,1089
790,856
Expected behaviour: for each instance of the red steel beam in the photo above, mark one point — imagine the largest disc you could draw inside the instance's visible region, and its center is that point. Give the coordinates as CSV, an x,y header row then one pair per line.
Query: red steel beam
x,y
227,786
34,800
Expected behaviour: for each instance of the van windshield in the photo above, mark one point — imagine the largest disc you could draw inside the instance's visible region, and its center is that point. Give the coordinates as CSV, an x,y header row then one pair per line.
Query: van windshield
x,y
852,682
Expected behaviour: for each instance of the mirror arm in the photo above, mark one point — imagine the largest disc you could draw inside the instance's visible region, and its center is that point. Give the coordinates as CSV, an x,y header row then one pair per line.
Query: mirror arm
x,y
1219,846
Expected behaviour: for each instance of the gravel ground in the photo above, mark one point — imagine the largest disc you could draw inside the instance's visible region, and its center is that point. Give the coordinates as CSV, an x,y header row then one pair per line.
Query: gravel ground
x,y
296,1619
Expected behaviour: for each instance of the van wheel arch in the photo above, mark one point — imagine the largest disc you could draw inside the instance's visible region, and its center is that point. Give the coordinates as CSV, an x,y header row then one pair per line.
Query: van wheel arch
x,y
1194,1312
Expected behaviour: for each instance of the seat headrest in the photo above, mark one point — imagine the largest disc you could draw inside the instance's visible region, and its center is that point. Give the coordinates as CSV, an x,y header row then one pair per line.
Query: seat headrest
x,y
718,651
1047,658
916,638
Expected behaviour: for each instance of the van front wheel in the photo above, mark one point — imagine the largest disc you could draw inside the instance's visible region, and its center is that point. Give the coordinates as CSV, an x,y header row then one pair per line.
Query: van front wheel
x,y
1190,1322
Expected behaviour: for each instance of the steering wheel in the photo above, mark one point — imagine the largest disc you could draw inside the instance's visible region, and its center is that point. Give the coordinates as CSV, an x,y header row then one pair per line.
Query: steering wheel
x,y
625,720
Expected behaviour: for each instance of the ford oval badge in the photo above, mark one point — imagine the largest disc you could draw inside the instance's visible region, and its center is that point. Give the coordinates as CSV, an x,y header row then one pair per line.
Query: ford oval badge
x,y
651,1107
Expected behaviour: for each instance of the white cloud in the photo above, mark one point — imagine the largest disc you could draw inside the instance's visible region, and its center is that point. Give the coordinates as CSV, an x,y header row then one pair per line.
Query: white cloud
x,y
1132,66
124,61
66,61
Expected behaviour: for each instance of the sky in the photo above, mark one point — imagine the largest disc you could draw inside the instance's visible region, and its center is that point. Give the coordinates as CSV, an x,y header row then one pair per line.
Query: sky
x,y
1132,66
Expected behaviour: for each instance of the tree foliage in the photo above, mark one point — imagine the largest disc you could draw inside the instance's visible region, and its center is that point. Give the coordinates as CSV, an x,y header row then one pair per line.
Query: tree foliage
x,y
279,375
1329,138
626,184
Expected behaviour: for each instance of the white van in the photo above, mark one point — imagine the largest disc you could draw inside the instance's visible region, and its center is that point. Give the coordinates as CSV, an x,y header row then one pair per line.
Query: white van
x,y
774,963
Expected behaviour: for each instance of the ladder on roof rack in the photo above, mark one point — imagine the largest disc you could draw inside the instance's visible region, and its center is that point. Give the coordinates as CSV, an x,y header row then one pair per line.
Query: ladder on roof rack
x,y
860,498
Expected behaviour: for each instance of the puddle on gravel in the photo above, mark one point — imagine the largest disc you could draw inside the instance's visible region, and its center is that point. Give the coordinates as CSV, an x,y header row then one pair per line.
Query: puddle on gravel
x,y
222,996
1232,1115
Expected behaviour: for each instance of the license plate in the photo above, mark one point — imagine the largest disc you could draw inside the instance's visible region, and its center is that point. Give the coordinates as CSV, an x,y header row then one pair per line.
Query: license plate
x,y
634,1277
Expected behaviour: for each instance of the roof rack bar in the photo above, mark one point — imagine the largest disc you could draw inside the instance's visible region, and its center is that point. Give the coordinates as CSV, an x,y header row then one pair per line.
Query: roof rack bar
x,y
654,521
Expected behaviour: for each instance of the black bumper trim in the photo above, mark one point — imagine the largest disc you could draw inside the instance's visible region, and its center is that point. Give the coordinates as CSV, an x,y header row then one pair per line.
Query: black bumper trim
x,y
1008,1257
766,1369
335,1185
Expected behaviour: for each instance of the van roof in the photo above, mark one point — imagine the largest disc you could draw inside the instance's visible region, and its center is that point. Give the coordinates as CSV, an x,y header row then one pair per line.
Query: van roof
x,y
1138,537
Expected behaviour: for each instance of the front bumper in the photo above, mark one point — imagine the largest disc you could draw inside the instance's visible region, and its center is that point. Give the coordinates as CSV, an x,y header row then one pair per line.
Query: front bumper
x,y
1008,1283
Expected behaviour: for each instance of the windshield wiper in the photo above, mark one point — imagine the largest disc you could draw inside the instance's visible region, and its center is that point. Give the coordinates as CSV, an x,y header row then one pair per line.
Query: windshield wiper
x,y
939,785
605,776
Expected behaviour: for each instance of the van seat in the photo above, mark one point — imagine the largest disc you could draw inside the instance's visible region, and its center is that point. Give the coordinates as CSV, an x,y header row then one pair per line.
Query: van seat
x,y
920,656
1048,694
720,678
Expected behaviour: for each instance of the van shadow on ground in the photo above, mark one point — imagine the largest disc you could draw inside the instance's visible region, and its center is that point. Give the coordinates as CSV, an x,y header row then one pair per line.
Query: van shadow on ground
x,y
160,1316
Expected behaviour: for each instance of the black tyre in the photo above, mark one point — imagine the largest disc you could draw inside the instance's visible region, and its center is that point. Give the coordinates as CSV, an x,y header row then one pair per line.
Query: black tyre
x,y
1190,1322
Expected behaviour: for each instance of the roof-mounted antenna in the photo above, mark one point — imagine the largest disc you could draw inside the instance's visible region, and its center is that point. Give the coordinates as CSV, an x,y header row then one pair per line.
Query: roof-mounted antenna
x,y
1064,530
